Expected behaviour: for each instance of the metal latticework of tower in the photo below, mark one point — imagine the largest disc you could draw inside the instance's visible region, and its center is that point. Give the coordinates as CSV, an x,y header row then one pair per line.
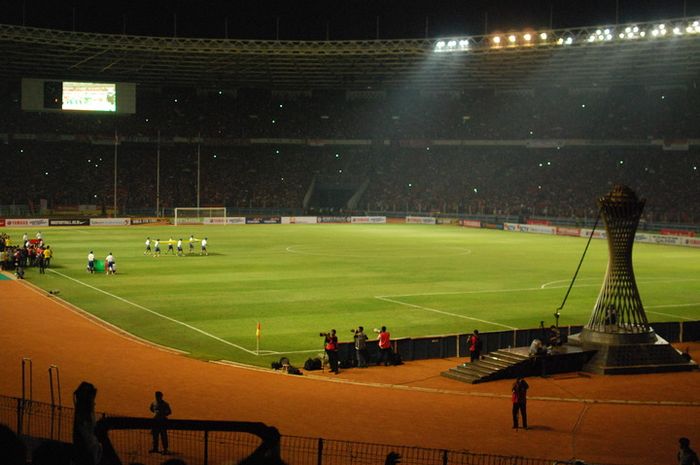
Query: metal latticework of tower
x,y
619,308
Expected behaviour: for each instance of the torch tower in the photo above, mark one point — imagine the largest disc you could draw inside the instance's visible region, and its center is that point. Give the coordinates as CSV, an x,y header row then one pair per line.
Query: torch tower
x,y
618,328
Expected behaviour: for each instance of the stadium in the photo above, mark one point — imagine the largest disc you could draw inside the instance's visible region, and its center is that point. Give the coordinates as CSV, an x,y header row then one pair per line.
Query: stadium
x,y
237,195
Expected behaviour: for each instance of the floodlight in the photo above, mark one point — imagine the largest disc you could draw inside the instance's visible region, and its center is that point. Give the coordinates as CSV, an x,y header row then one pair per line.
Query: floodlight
x,y
628,29
635,29
527,37
677,31
689,29
655,32
622,36
560,41
511,39
496,40
591,38
598,32
464,43
543,36
608,37
452,43
696,23
643,33
569,40
662,26
440,44
607,32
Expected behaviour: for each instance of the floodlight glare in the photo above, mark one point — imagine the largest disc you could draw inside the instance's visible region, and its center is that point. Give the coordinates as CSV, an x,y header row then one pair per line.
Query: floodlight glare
x,y
452,43
608,37
655,32
440,44
527,37
569,40
591,38
607,31
560,41
464,43
598,31
677,31
622,36
628,29
635,29
643,33
511,39
543,36
496,40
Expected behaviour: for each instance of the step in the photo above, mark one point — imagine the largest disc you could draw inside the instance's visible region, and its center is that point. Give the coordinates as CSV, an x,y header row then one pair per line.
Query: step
x,y
460,377
471,371
494,362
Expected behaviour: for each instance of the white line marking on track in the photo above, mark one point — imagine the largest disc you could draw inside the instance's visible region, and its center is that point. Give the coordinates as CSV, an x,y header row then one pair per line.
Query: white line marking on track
x,y
434,310
106,325
141,307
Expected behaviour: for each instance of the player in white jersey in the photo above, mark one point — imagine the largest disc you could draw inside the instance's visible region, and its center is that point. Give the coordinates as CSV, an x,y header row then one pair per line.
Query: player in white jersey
x,y
170,247
91,262
192,244
156,248
110,264
179,247
204,247
148,246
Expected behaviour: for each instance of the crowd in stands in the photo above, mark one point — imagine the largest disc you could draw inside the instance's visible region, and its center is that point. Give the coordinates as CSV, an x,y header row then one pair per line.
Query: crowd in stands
x,y
605,113
512,181
406,170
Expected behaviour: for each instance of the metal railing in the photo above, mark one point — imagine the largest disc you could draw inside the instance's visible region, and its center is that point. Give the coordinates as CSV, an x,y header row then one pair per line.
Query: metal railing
x,y
200,442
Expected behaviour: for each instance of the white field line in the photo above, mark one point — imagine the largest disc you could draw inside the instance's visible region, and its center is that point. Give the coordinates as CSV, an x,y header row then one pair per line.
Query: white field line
x,y
141,307
600,282
294,249
434,310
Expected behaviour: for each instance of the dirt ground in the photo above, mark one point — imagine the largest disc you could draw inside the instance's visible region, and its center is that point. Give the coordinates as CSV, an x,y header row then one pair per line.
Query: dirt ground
x,y
605,419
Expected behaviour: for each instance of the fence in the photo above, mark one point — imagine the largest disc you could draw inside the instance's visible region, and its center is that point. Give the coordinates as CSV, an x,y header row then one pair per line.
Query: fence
x,y
219,442
456,345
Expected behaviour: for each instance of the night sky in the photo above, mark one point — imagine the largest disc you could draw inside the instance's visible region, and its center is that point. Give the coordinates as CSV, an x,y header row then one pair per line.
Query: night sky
x,y
336,20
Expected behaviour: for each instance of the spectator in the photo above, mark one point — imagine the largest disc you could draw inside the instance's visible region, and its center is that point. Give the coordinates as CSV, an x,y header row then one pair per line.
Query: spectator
x,y
161,411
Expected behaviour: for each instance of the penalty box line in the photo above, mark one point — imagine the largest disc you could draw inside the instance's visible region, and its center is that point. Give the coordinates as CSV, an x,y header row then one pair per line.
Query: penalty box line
x,y
146,309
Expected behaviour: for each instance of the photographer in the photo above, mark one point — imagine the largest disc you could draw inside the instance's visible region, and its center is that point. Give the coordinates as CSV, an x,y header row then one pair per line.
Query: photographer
x,y
360,346
384,341
331,347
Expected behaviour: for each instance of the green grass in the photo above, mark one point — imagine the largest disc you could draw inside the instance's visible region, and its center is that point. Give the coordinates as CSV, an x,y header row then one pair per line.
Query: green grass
x,y
298,280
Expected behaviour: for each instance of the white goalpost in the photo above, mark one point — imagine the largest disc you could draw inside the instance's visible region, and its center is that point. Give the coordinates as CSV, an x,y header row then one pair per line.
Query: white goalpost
x,y
200,215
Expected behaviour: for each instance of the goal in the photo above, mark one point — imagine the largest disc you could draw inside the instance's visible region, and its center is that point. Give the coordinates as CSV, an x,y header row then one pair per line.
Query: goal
x,y
200,215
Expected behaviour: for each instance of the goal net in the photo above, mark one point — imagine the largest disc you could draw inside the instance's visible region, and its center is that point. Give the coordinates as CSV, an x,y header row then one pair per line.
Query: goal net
x,y
200,215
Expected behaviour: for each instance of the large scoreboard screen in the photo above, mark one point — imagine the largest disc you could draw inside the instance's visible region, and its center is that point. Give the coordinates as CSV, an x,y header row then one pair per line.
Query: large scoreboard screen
x,y
89,96
78,96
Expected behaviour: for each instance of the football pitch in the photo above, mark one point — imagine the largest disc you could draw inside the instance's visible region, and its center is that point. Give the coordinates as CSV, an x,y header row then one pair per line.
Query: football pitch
x,y
299,280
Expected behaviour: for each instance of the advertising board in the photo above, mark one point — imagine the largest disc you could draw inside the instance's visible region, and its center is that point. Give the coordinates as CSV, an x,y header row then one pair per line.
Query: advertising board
x,y
69,222
368,219
420,220
15,222
110,221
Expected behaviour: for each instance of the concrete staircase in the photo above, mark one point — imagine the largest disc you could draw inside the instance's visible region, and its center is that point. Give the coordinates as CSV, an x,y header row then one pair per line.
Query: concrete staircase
x,y
501,364
517,362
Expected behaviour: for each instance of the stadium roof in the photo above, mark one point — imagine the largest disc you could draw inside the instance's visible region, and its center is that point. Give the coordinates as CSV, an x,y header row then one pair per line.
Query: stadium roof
x,y
582,58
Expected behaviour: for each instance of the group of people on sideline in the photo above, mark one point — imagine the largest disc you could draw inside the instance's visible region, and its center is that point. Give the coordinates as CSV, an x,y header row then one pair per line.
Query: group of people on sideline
x,y
360,338
30,252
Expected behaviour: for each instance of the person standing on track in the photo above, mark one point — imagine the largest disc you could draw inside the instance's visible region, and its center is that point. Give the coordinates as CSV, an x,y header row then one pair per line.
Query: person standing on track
x,y
686,455
331,348
475,346
519,399
161,410
384,341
